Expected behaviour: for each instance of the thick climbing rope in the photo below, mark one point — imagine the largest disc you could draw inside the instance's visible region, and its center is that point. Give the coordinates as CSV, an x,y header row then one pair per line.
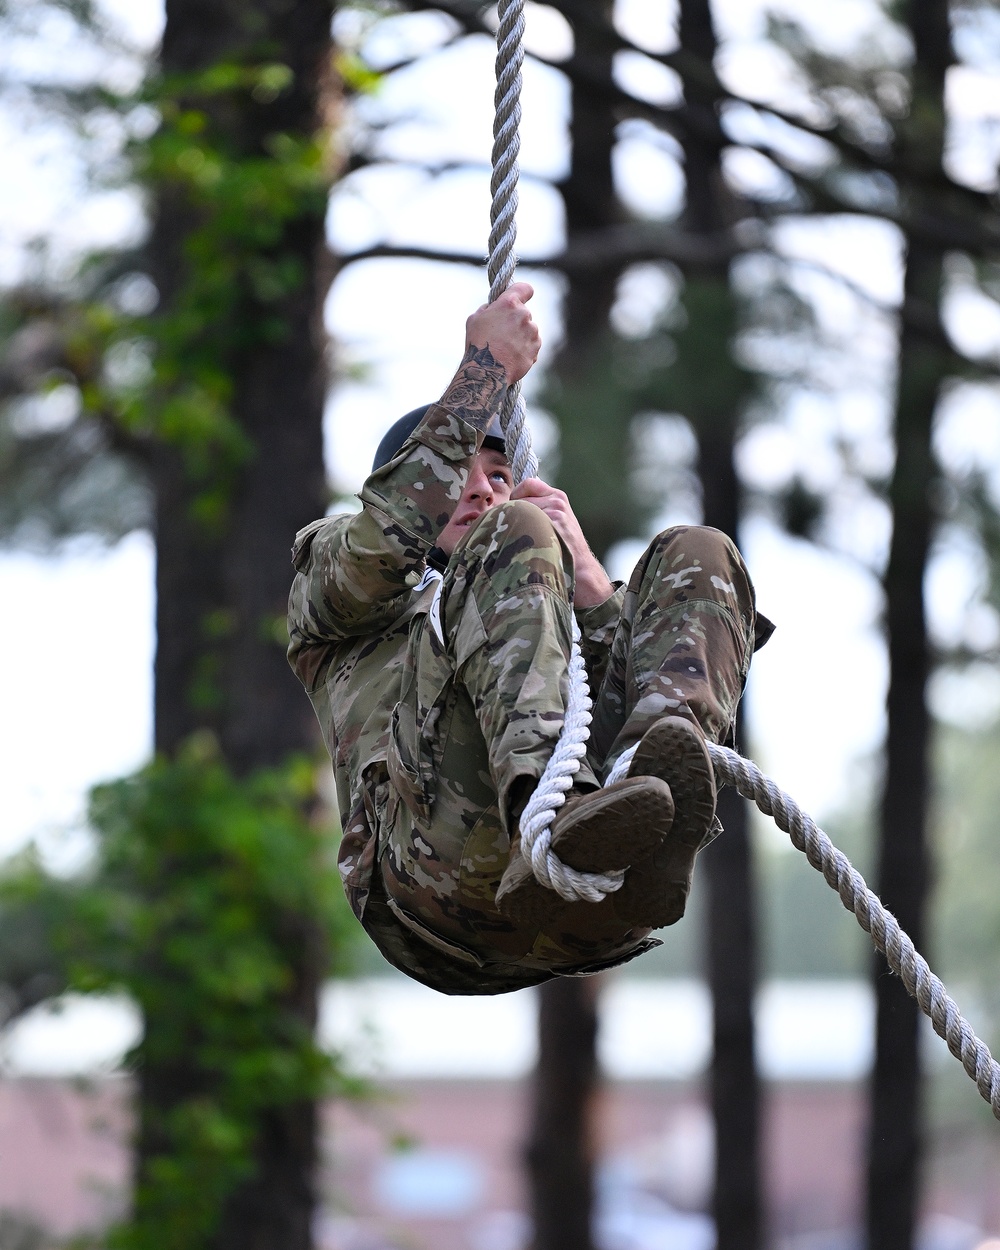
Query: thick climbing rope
x,y
503,210
880,924
730,768
882,927
564,763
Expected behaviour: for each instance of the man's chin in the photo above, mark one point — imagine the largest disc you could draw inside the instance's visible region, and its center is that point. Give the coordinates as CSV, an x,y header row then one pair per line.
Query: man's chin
x,y
447,540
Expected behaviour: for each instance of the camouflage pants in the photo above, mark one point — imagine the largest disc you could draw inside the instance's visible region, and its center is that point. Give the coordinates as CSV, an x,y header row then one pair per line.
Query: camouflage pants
x,y
483,707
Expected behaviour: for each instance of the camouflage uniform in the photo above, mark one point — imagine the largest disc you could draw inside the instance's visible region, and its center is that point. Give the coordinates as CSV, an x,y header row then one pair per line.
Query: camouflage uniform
x,y
436,696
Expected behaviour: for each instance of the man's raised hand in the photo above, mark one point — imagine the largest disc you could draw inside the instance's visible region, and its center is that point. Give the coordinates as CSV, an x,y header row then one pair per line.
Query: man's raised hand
x,y
505,329
592,585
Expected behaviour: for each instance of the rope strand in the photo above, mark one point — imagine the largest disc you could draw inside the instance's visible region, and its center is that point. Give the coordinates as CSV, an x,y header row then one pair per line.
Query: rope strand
x,y
564,763
730,768
879,923
503,211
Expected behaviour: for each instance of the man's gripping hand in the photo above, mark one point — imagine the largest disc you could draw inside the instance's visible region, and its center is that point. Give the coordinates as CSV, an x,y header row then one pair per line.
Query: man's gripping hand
x,y
506,331
592,585
501,345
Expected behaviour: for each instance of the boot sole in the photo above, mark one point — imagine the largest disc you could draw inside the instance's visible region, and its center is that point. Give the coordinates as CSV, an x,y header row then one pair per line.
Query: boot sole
x,y
609,829
614,827
675,751
656,888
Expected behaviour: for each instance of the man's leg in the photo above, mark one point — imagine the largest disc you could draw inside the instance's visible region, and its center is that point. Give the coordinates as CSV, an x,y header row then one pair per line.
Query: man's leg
x,y
517,576
678,665
683,645
507,617
488,684
481,712
506,629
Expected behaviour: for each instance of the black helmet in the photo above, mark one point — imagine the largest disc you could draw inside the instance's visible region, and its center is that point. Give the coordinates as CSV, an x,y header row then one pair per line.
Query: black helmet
x,y
400,431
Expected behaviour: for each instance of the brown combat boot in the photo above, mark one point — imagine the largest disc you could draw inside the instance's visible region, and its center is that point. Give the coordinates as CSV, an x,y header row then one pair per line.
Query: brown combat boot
x,y
657,886
596,832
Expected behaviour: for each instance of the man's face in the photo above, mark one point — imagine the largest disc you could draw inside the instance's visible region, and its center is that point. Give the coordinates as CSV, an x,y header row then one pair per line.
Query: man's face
x,y
490,482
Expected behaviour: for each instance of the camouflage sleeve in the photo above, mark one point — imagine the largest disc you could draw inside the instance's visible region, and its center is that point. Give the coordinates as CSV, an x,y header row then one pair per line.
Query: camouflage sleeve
x,y
352,570
418,489
597,629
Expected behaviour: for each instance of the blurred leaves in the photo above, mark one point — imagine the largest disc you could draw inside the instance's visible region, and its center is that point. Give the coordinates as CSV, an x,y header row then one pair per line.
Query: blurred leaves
x,y
33,906
20,1233
203,894
212,902
144,371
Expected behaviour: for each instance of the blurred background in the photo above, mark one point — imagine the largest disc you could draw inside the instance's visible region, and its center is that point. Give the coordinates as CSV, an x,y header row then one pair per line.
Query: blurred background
x,y
238,240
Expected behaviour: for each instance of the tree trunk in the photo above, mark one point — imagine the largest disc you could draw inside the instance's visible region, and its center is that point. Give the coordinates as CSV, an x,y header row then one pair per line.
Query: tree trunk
x,y
734,1085
719,390
903,867
896,1109
731,946
561,1147
222,589
222,582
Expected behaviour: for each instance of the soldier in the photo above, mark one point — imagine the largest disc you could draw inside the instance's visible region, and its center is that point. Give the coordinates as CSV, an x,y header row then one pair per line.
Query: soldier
x,y
432,632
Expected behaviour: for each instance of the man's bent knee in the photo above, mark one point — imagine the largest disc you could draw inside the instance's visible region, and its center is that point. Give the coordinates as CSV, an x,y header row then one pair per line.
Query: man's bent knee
x,y
517,523
697,561
708,545
516,543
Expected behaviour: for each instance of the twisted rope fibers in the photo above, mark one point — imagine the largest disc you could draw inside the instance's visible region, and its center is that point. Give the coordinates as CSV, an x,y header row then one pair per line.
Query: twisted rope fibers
x,y
881,925
564,763
503,211
730,768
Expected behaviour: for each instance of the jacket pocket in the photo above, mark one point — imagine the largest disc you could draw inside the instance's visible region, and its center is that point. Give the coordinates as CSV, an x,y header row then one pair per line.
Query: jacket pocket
x,y
414,784
454,949
419,721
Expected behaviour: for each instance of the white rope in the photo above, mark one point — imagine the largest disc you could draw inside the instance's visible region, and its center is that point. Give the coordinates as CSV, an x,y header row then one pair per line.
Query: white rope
x,y
564,763
550,794
621,767
503,210
730,768
880,924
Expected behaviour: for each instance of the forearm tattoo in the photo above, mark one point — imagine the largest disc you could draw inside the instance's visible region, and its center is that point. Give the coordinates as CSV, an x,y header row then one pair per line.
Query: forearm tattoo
x,y
477,389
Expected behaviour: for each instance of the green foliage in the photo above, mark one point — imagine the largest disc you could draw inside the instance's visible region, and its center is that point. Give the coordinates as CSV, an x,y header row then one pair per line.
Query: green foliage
x,y
205,882
356,74
706,382
20,1233
165,373
33,905
686,365
204,892
238,207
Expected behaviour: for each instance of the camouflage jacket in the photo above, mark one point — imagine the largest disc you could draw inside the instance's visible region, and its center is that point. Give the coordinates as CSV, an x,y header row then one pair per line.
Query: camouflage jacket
x,y
355,596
